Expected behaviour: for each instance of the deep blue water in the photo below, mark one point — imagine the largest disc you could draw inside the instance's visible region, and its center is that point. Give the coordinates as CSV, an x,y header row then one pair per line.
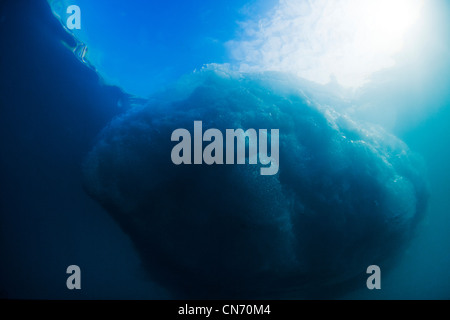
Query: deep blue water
x,y
69,187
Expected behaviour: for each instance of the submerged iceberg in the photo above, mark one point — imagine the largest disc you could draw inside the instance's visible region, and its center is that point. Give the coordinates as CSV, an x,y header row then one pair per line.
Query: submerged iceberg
x,y
346,196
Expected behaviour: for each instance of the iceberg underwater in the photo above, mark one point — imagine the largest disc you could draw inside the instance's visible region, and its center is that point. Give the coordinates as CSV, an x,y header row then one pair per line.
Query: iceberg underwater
x,y
88,179
346,196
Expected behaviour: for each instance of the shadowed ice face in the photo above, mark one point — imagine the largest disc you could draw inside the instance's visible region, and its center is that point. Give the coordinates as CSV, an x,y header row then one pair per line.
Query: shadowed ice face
x,y
345,196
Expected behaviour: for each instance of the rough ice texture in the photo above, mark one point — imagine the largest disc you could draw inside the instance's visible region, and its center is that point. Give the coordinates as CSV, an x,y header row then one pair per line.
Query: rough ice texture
x,y
346,195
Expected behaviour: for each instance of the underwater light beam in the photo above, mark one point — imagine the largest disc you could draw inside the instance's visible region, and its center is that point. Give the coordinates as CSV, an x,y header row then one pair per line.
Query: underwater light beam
x,y
348,40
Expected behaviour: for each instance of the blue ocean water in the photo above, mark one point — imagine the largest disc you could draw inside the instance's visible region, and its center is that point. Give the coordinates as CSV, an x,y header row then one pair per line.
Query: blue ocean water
x,y
85,178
